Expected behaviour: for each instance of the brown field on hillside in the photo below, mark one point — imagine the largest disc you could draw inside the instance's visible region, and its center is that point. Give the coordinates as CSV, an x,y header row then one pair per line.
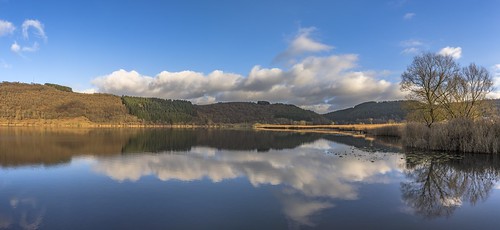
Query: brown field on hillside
x,y
35,104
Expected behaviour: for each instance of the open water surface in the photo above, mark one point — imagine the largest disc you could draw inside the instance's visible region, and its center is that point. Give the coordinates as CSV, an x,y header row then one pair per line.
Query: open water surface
x,y
235,179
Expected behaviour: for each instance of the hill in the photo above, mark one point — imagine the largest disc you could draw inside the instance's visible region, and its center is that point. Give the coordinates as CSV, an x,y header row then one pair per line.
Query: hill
x,y
20,102
37,104
379,112
370,112
261,112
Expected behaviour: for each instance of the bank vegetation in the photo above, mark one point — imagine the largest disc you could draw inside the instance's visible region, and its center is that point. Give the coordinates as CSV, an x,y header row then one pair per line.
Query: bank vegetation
x,y
448,109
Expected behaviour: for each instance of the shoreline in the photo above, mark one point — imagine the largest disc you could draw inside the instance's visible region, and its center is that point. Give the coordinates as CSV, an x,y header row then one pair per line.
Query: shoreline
x,y
84,123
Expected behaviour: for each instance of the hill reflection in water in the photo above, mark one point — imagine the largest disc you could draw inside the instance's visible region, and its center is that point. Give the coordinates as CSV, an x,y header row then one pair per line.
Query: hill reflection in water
x,y
310,174
39,146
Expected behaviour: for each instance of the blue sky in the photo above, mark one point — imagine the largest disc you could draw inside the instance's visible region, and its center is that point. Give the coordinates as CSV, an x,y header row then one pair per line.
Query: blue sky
x,y
321,55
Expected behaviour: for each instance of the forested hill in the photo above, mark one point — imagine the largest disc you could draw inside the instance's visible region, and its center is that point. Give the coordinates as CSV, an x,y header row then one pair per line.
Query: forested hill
x,y
48,104
370,112
379,112
163,111
262,112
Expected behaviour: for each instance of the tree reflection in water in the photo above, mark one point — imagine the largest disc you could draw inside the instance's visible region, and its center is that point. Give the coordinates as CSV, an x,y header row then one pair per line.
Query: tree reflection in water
x,y
438,184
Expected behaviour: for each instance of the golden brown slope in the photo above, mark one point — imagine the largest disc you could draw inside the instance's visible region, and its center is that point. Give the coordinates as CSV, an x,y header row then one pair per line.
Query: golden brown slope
x,y
34,102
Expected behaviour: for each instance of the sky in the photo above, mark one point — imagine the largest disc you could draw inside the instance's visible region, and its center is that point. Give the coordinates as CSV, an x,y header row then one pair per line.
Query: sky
x,y
321,55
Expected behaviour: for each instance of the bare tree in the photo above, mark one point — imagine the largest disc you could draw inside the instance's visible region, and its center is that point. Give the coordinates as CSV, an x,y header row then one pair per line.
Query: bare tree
x,y
468,93
429,79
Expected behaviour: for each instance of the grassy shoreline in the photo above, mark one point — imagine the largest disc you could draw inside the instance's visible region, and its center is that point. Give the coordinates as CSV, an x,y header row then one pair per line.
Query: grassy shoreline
x,y
82,122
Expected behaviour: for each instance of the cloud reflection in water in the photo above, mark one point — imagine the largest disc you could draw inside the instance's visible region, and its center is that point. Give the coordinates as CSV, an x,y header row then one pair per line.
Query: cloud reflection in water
x,y
307,175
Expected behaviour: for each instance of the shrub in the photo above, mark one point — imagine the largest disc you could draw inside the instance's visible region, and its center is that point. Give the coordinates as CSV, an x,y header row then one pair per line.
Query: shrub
x,y
459,135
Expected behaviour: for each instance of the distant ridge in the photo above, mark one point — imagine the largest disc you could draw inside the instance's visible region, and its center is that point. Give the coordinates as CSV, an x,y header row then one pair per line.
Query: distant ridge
x,y
378,112
370,112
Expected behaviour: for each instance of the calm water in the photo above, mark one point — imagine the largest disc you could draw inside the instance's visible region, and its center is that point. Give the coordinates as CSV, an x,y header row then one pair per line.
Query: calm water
x,y
213,179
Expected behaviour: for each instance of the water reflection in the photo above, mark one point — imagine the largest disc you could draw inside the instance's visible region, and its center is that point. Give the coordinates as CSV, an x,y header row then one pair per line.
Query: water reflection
x,y
21,213
307,173
35,146
439,184
46,146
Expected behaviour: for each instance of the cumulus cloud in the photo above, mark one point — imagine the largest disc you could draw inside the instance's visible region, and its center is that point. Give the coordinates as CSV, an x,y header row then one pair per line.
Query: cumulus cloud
x,y
318,83
409,16
455,52
6,28
303,44
36,25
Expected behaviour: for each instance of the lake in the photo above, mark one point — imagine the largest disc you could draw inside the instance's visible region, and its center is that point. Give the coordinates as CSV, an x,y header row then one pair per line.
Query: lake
x,y
237,179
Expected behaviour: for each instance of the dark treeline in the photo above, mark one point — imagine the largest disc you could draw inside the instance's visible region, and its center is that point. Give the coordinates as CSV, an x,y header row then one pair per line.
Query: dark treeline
x,y
60,87
249,112
160,111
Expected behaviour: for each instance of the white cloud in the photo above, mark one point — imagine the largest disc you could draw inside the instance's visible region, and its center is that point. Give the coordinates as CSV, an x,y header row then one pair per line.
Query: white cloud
x,y
411,42
39,32
16,48
6,28
411,46
303,44
455,52
32,48
87,91
36,25
318,83
497,68
496,82
409,16
411,50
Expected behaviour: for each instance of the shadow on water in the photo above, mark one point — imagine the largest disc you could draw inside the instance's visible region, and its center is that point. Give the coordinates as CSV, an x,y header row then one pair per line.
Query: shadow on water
x,y
438,184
